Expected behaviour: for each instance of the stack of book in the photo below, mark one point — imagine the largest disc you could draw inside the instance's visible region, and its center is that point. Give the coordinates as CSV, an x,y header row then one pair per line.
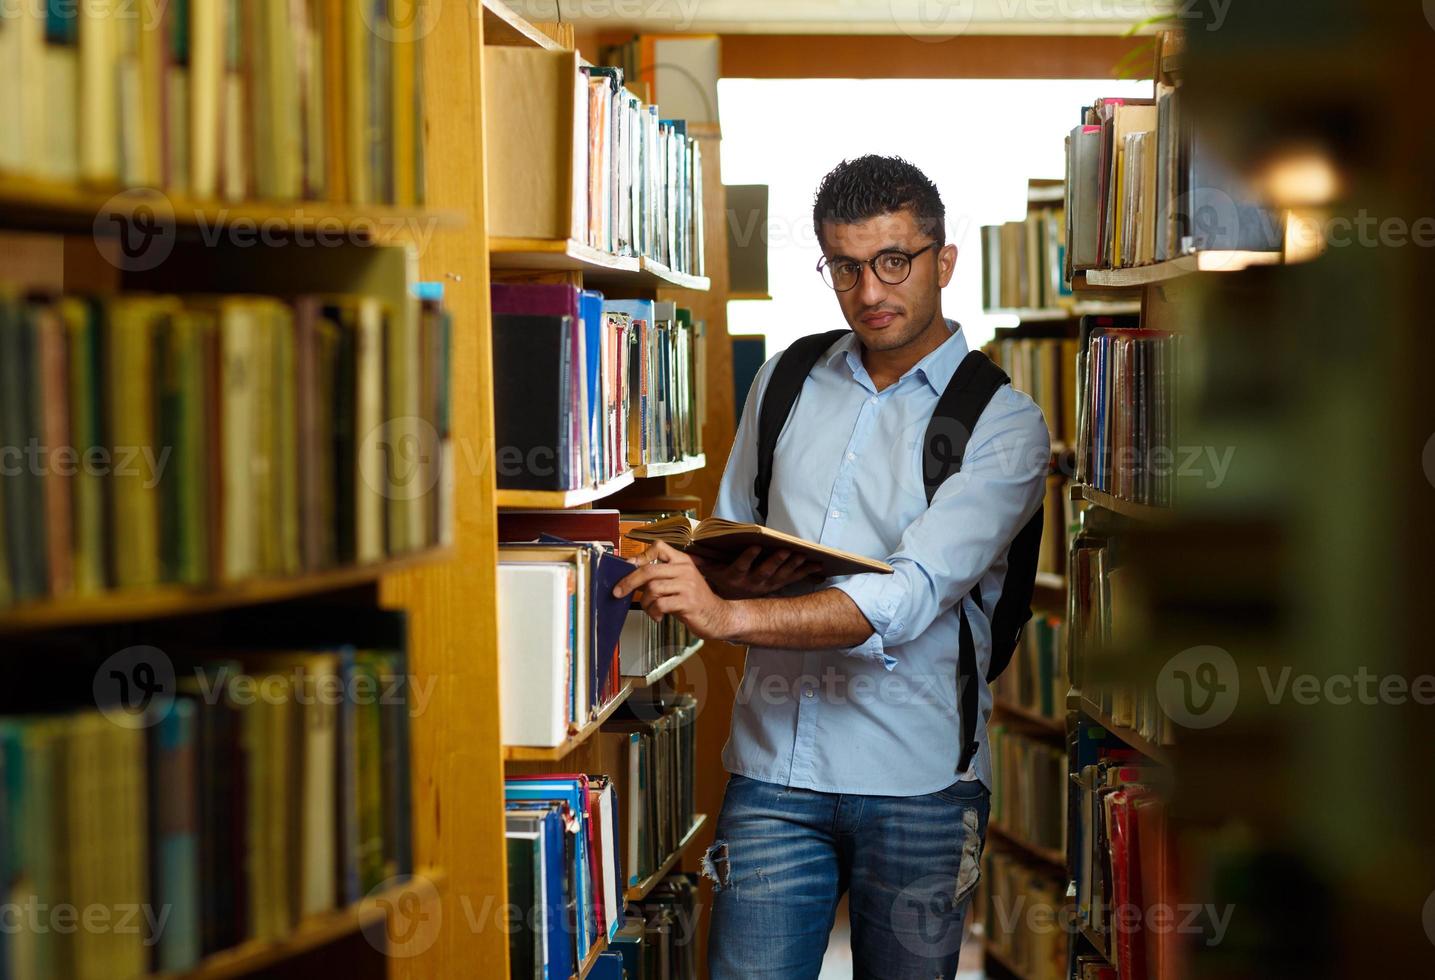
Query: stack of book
x,y
239,99
658,940
1044,368
1024,262
1126,411
1029,788
1124,856
558,631
273,786
1036,679
564,871
1018,892
201,440
649,747
587,388
679,70
1144,186
574,155
1102,601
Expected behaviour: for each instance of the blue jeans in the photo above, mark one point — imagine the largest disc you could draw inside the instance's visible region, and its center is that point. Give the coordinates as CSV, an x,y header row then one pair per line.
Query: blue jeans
x,y
783,857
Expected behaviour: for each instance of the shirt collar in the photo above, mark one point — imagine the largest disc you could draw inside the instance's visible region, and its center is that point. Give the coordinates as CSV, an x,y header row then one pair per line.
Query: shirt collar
x,y
936,369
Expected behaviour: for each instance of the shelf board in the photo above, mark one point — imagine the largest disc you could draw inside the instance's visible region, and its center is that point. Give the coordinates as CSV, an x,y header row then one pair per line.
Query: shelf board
x,y
666,667
318,930
1053,726
1045,854
1060,313
576,737
638,892
746,296
561,499
502,26
1137,512
587,965
1213,260
1152,751
30,202
599,268
685,465
162,601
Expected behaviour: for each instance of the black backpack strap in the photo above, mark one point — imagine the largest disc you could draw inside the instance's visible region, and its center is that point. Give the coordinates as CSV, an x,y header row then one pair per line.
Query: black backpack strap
x,y
966,396
780,395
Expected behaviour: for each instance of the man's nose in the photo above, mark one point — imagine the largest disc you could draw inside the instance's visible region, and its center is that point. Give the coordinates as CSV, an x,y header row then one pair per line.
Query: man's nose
x,y
870,290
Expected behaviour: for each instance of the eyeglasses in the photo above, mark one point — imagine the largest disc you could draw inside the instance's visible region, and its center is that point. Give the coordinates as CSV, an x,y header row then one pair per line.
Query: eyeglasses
x,y
891,266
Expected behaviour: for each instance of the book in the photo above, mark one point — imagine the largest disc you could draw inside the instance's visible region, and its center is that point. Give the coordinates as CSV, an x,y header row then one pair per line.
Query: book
x,y
718,538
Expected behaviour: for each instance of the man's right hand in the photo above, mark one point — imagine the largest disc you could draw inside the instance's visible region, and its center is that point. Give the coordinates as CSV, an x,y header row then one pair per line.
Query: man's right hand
x,y
749,578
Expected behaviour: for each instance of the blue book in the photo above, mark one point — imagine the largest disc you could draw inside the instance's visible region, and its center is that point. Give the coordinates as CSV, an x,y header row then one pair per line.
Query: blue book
x,y
608,966
573,793
176,822
590,310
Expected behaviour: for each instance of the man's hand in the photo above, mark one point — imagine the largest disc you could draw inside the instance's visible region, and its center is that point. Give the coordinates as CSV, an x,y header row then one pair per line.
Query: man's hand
x,y
672,584
747,578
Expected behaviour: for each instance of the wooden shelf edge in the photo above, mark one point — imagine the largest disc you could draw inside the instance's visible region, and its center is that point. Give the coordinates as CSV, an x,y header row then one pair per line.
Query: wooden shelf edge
x,y
1148,513
1053,726
584,968
131,605
560,499
68,203
503,26
684,465
682,280
1213,260
641,681
318,930
529,753
1045,854
568,254
1152,751
636,893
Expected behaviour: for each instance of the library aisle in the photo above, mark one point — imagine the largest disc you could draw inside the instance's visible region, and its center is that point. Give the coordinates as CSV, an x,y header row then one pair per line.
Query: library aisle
x,y
369,370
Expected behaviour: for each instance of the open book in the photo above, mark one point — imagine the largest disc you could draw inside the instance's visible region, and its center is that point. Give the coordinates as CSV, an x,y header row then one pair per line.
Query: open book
x,y
725,540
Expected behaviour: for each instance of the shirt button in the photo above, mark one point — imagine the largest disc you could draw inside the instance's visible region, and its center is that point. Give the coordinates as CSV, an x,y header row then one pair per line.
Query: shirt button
x,y
851,455
837,513
873,399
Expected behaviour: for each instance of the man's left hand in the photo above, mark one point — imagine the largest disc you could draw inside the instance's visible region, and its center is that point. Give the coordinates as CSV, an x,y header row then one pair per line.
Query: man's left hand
x,y
673,585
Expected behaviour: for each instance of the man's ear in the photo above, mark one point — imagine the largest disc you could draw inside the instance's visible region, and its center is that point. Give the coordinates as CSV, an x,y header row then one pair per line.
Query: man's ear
x,y
946,264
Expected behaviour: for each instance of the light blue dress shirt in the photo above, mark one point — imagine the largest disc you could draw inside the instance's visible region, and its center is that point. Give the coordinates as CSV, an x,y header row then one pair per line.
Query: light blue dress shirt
x,y
881,718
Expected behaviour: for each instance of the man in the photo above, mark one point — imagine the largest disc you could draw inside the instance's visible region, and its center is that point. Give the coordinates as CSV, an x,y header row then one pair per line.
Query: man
x,y
845,734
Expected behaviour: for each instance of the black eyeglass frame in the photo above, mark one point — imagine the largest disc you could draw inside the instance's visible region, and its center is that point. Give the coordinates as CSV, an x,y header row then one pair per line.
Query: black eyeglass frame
x,y
872,264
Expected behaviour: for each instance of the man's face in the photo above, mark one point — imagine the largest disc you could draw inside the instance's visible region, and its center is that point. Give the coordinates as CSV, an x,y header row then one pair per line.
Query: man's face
x,y
885,316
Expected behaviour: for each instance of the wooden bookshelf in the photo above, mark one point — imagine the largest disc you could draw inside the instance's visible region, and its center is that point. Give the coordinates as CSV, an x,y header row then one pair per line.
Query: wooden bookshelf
x,y
559,499
1115,505
599,268
1002,960
527,753
1045,854
502,26
1053,726
666,667
131,605
1148,748
1213,260
685,465
638,892
37,203
586,966
319,930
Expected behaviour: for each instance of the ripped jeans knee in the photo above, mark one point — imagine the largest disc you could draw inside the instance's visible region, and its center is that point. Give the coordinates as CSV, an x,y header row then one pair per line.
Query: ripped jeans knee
x,y
715,865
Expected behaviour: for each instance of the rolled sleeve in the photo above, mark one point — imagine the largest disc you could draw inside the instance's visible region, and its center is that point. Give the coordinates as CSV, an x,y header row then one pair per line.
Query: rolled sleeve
x,y
879,598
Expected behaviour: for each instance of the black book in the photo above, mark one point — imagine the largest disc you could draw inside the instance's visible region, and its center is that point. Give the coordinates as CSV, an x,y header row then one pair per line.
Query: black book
x,y
533,395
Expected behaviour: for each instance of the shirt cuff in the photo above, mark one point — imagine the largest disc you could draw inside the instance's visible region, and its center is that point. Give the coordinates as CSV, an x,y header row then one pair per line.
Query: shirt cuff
x,y
876,597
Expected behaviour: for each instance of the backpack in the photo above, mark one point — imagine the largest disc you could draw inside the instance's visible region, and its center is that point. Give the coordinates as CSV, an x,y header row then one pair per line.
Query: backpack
x,y
972,386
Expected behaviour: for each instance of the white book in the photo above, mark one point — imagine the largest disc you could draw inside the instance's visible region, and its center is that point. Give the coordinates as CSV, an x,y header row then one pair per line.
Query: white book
x,y
321,747
612,892
534,616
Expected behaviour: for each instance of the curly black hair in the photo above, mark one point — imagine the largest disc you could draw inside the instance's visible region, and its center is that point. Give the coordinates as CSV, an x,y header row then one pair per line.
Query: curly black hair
x,y
859,189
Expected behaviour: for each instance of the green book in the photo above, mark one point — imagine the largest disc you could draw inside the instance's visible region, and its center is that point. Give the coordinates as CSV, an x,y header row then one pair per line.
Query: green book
x,y
367,672
184,408
82,323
